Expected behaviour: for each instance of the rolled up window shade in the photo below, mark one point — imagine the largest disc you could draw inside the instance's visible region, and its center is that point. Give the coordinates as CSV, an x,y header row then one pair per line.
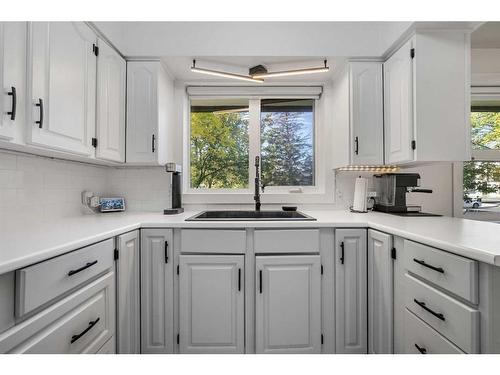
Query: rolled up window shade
x,y
282,92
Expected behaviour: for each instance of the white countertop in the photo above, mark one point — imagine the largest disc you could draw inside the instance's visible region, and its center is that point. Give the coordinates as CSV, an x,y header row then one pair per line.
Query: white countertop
x,y
22,245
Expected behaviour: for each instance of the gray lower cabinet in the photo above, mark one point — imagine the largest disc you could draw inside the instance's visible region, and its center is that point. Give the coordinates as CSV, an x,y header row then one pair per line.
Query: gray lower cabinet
x,y
128,323
211,304
157,279
380,293
288,304
351,291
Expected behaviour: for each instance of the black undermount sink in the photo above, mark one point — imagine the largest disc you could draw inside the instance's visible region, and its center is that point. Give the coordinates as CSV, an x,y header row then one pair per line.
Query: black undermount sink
x,y
250,215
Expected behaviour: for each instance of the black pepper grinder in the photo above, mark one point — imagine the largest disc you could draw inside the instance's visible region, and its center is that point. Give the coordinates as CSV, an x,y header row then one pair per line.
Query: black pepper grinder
x,y
176,186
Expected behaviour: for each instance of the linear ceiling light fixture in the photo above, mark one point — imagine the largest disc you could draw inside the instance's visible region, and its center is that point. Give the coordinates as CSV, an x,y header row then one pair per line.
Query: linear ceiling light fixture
x,y
263,73
224,74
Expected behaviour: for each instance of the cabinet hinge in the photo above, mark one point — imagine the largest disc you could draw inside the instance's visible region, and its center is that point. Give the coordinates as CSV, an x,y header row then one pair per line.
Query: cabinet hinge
x,y
178,339
116,254
412,53
322,269
177,269
94,142
322,340
393,253
95,49
413,145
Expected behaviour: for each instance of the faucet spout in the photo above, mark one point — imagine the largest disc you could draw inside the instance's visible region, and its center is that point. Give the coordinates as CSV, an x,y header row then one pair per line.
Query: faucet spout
x,y
256,196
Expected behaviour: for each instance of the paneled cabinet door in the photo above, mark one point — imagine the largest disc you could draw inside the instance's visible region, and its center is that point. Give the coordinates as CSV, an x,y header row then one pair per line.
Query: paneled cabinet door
x,y
288,304
351,291
157,278
12,78
111,89
366,117
211,304
380,293
62,75
398,106
128,293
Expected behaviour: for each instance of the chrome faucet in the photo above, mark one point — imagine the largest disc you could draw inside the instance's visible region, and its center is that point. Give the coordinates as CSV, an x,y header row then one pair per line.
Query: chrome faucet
x,y
256,196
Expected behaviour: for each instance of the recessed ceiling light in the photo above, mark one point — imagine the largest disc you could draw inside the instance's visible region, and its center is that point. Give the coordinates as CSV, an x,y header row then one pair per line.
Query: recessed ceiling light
x,y
224,74
294,72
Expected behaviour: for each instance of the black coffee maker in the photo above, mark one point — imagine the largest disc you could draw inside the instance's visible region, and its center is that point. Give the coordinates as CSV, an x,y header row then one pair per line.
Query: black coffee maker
x,y
391,193
176,186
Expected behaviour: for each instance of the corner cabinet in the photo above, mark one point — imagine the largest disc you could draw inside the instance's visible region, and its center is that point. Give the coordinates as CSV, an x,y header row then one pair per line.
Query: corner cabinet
x,y
111,90
150,96
12,79
157,278
128,323
288,304
351,319
380,293
62,83
211,304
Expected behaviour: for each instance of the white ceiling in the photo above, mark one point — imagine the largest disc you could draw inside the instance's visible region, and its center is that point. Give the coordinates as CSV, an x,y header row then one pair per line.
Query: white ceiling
x,y
486,36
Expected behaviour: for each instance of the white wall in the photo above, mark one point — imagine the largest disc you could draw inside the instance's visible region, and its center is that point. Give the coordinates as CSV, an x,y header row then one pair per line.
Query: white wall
x,y
485,66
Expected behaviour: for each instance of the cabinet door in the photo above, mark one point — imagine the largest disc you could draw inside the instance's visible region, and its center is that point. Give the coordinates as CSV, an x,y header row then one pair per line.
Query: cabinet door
x,y
157,278
111,76
62,83
288,304
398,106
142,111
211,304
366,117
128,293
351,291
12,79
380,293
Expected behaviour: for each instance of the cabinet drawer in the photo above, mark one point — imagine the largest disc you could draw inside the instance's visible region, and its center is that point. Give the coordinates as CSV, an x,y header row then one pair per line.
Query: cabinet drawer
x,y
286,241
420,338
213,241
42,282
453,319
80,323
457,274
109,347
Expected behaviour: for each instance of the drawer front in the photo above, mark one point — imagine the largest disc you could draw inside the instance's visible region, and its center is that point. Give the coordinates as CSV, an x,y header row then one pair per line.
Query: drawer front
x,y
80,323
42,282
420,338
457,274
453,319
286,241
109,347
213,241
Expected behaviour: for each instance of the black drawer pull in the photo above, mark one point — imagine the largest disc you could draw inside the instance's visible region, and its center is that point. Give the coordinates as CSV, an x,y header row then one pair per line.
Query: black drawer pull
x,y
40,121
239,279
342,252
91,324
422,263
166,251
89,264
260,281
421,350
13,111
422,305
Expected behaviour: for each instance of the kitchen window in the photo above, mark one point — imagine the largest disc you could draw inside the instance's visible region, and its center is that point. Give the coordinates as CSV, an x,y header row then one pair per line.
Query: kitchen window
x,y
227,133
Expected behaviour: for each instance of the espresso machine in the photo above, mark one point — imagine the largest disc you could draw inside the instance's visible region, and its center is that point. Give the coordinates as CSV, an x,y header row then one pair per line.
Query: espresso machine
x,y
176,186
391,193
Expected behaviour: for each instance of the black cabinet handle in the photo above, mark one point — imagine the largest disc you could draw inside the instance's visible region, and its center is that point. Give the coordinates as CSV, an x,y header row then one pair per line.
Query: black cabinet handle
x,y
40,121
422,263
356,149
342,252
89,264
260,281
422,305
420,349
91,324
153,143
239,279
166,251
13,111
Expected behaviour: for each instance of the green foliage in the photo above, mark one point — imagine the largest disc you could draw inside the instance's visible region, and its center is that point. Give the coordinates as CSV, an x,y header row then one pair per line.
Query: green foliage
x,y
219,150
286,149
485,130
481,177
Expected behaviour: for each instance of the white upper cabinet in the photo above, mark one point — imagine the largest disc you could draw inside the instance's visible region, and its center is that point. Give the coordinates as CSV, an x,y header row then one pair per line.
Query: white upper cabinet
x,y
150,95
366,113
62,71
288,304
12,80
427,99
398,86
111,90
